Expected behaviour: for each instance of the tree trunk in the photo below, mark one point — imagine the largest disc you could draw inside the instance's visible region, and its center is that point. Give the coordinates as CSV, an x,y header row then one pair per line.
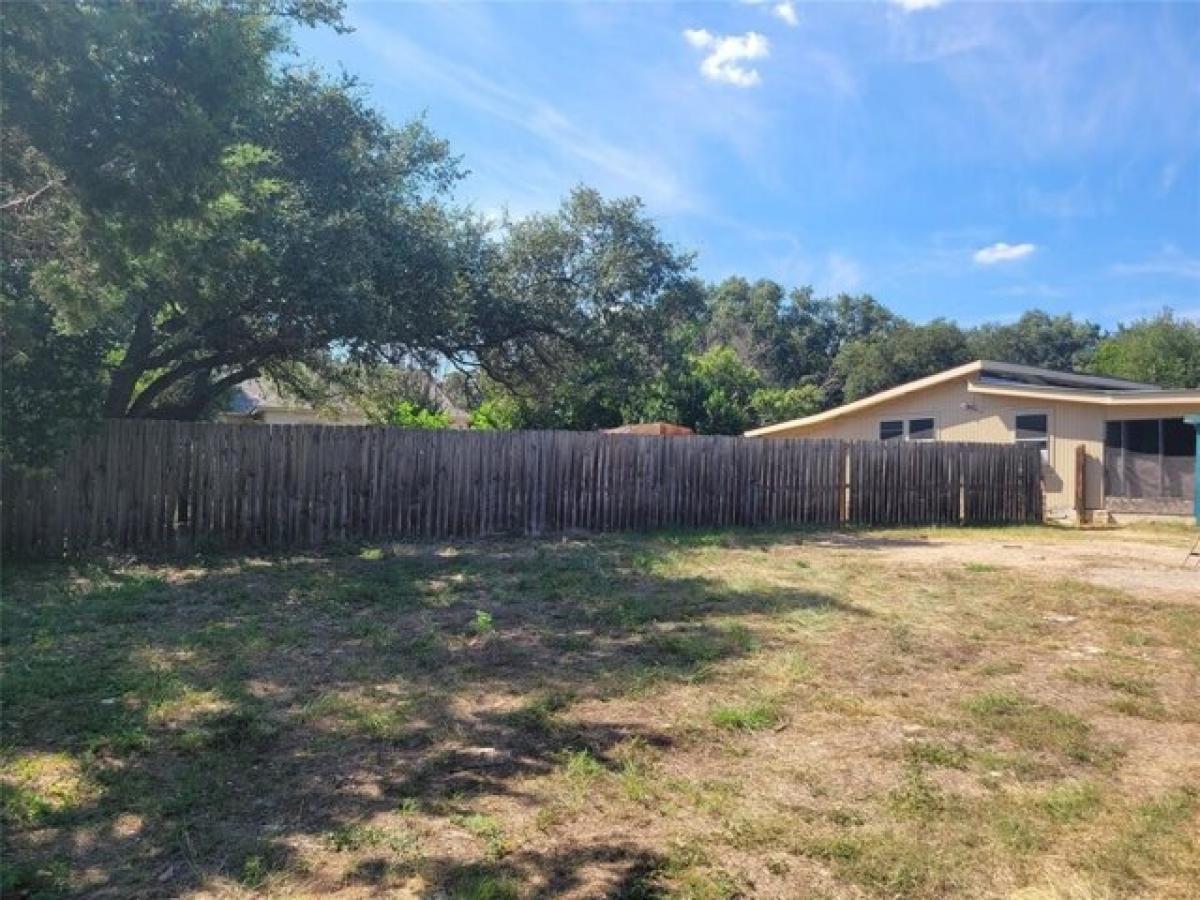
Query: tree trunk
x,y
126,375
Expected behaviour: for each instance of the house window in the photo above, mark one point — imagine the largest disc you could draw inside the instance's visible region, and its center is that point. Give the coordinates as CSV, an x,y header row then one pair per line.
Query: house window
x,y
922,429
1034,428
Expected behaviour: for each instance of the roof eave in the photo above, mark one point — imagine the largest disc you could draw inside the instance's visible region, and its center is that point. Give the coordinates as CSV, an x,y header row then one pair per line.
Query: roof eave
x,y
867,402
1148,397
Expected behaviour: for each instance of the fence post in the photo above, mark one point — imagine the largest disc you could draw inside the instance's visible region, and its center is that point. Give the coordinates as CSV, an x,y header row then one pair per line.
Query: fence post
x,y
962,484
843,458
1080,483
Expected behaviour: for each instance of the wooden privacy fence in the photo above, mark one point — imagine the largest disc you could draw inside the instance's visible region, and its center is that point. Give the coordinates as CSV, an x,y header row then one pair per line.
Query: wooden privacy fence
x,y
148,484
898,483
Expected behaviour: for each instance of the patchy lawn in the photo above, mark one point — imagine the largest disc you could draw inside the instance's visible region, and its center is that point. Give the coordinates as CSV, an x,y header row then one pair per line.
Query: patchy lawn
x,y
902,714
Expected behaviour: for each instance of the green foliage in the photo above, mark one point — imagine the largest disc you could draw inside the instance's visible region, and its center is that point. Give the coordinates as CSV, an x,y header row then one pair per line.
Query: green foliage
x,y
615,302
50,386
758,715
717,392
406,414
1062,343
909,352
498,412
780,404
1162,350
268,222
483,623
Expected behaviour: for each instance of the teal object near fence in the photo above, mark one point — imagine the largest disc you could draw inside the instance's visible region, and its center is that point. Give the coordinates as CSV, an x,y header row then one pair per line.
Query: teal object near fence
x,y
1195,421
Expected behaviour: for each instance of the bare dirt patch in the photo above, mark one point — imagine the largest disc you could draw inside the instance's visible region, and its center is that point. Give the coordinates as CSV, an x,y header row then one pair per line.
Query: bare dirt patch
x,y
1140,567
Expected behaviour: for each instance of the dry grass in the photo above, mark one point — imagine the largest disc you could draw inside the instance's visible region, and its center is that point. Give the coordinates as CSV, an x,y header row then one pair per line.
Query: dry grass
x,y
705,715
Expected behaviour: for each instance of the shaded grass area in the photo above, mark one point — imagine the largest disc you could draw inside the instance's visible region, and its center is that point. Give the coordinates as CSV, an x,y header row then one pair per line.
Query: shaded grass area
x,y
700,715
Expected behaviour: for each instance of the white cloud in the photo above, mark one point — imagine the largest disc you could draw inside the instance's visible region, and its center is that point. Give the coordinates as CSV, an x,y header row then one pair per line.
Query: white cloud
x,y
726,53
786,12
1002,252
916,5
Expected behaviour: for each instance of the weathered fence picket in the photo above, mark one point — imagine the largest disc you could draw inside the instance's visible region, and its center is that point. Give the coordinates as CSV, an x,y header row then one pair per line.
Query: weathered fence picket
x,y
153,484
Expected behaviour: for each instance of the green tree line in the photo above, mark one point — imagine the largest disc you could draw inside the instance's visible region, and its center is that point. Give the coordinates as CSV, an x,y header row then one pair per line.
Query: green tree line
x,y
186,205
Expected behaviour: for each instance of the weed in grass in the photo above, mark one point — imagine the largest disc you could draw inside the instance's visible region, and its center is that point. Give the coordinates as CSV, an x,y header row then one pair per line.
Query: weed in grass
x,y
845,818
581,768
1134,687
707,645
885,862
1019,832
902,637
1121,683
917,797
1136,638
791,666
1141,708
1157,835
483,624
539,715
23,806
691,874
477,883
1035,726
842,704
489,830
937,755
254,871
707,885
978,567
379,716
635,771
756,715
355,836
1071,801
811,616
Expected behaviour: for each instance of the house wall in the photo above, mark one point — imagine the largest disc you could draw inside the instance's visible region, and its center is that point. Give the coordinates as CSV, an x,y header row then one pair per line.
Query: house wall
x,y
280,416
963,416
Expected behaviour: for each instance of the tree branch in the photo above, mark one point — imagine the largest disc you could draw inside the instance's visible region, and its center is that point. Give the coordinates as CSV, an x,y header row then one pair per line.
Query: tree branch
x,y
152,391
202,397
28,199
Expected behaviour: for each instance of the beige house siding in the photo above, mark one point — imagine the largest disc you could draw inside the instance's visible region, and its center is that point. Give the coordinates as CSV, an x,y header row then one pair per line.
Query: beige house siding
x,y
295,417
964,416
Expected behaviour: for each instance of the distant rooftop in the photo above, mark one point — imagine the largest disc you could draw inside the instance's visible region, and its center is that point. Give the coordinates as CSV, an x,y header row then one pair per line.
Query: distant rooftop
x,y
992,372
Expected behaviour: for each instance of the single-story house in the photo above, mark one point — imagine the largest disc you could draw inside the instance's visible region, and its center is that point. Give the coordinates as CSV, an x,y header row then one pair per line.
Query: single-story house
x,y
1139,453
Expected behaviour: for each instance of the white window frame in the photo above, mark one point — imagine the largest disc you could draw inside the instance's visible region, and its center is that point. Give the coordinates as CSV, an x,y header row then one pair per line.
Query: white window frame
x,y
905,431
1049,430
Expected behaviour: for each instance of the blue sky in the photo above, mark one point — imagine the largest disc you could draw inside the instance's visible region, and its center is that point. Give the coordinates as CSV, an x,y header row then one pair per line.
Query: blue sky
x,y
953,159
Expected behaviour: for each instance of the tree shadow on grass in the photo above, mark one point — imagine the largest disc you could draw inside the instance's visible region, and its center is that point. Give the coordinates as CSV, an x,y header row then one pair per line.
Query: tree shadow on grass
x,y
222,720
